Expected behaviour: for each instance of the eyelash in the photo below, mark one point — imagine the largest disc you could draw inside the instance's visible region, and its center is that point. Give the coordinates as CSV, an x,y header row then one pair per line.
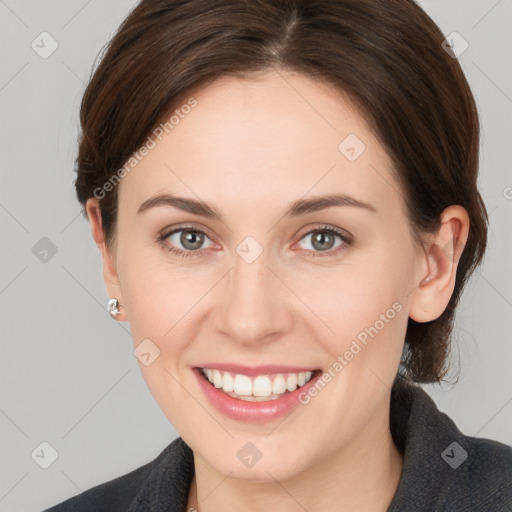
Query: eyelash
x,y
347,241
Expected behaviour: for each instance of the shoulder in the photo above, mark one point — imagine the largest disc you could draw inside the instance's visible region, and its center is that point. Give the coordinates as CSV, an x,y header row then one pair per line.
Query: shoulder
x,y
484,476
136,487
116,494
444,469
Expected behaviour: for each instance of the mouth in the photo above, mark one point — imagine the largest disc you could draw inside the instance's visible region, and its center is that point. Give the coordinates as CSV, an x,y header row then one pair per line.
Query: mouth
x,y
257,388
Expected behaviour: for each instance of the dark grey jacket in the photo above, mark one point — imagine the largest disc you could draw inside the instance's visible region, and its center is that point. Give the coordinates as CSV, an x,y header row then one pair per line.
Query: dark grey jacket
x,y
444,470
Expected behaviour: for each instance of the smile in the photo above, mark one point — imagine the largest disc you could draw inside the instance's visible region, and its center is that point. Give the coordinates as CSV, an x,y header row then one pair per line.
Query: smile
x,y
254,395
259,388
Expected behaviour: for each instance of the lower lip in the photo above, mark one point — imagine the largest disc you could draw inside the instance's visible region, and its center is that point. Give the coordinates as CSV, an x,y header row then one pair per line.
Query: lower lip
x,y
252,412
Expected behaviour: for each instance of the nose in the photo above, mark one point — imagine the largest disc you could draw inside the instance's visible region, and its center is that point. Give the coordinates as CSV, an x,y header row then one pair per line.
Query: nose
x,y
254,306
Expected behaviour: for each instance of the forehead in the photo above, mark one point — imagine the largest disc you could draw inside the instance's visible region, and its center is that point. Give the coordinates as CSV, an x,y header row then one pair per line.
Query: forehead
x,y
256,141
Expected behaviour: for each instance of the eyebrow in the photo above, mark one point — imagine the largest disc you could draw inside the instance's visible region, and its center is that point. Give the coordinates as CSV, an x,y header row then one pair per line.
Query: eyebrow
x,y
296,209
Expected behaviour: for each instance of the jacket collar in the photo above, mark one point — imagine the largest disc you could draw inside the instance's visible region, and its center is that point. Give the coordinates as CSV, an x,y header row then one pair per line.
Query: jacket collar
x,y
431,446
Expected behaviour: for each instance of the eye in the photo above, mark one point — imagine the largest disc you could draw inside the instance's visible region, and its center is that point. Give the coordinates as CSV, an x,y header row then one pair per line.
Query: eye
x,y
184,241
323,240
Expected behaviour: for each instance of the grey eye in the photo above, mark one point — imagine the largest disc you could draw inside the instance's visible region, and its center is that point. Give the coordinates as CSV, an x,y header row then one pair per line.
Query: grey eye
x,y
188,239
322,240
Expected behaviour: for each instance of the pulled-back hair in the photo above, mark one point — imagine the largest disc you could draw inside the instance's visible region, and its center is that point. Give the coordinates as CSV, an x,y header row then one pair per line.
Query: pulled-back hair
x,y
385,55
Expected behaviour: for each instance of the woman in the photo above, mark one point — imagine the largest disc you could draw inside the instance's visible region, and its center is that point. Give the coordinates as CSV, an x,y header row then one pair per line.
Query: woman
x,y
284,196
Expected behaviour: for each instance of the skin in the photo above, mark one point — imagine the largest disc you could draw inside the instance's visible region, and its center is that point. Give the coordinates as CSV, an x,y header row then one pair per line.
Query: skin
x,y
251,147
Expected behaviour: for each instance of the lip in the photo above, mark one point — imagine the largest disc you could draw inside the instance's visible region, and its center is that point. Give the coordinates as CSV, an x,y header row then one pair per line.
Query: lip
x,y
251,412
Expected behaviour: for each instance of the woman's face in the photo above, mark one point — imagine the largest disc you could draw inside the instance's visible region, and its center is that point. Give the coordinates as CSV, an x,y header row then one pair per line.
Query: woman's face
x,y
266,284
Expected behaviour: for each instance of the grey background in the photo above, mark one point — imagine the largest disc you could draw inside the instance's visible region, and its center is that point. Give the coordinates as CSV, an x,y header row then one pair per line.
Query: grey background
x,y
68,374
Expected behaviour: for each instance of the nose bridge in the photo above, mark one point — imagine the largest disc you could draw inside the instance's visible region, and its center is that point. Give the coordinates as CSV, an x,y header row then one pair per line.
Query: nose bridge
x,y
253,307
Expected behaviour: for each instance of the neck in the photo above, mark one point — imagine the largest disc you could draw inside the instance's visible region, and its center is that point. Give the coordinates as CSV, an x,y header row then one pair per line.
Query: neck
x,y
362,476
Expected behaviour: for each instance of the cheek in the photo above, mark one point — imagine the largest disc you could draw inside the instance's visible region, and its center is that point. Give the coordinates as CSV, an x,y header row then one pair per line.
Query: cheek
x,y
361,300
159,301
157,293
165,307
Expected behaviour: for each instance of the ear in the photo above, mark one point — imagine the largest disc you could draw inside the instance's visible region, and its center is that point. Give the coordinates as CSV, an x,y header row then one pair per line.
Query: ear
x,y
431,296
110,275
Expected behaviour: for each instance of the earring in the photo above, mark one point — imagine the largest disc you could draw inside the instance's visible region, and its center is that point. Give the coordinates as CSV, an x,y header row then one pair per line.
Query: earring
x,y
114,308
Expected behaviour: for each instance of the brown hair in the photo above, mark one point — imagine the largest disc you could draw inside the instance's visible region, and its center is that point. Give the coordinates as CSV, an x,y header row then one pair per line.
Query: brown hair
x,y
385,55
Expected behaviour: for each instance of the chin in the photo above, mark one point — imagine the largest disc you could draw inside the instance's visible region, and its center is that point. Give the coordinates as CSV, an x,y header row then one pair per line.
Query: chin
x,y
254,462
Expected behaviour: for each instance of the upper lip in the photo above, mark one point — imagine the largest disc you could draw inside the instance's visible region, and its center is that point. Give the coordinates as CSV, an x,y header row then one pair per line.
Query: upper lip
x,y
253,371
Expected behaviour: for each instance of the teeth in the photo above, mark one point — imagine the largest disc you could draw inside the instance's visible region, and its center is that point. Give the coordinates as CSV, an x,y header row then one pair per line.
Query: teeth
x,y
258,389
243,385
291,382
262,386
228,382
217,379
279,385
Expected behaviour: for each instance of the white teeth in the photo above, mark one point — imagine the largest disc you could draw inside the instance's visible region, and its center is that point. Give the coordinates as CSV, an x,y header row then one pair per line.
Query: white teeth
x,y
243,385
291,382
279,385
259,388
262,386
228,383
217,379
